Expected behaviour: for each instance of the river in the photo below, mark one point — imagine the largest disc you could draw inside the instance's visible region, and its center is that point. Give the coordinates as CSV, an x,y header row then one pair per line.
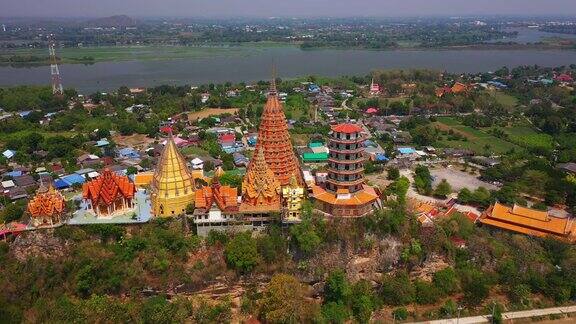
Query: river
x,y
291,62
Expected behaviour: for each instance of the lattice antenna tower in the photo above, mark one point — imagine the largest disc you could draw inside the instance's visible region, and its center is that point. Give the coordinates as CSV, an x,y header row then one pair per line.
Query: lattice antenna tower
x,y
57,88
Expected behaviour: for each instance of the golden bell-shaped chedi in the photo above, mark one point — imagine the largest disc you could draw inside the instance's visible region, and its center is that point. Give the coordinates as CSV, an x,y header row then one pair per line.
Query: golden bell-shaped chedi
x,y
260,187
172,184
47,207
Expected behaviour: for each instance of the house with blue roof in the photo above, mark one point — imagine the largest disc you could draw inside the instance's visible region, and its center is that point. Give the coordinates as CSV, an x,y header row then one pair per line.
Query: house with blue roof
x,y
240,159
61,184
14,174
128,153
313,88
73,179
252,140
406,150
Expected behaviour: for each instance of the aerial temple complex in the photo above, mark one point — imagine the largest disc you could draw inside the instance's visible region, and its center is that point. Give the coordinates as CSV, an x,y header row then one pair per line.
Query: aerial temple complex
x,y
345,193
172,183
109,195
46,208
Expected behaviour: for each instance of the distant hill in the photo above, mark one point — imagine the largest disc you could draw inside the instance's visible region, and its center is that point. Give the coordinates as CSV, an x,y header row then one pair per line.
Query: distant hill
x,y
112,21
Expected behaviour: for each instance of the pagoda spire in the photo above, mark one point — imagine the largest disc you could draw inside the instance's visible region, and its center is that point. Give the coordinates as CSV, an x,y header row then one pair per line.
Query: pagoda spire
x,y
260,186
172,184
274,139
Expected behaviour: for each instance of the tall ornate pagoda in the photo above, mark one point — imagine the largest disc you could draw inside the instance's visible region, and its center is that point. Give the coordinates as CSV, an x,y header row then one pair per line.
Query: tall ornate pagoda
x,y
172,183
345,193
274,140
260,187
109,194
47,207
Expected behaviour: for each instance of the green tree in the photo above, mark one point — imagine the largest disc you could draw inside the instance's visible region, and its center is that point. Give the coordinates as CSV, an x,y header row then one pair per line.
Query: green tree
x,y
465,196
336,313
337,289
397,289
426,293
305,236
242,252
393,173
475,285
284,300
443,189
446,281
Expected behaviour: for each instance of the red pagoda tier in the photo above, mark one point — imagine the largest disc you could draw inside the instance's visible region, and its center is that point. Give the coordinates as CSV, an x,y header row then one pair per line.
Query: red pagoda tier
x,y
345,193
274,139
109,194
47,207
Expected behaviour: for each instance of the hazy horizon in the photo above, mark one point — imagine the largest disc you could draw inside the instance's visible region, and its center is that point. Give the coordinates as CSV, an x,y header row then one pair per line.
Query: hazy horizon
x,y
293,8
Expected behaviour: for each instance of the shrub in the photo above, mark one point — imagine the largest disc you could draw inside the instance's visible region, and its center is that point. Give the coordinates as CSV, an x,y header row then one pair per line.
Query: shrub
x,y
400,314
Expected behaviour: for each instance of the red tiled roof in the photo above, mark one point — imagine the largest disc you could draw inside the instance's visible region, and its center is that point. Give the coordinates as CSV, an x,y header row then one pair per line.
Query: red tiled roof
x,y
107,188
47,203
227,137
346,128
225,197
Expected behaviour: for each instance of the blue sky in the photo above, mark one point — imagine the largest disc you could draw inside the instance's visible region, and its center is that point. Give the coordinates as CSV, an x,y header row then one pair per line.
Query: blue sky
x,y
267,8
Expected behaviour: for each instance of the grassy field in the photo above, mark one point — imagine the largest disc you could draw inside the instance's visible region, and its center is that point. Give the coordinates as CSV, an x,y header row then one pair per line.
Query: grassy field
x,y
480,141
509,102
195,115
125,53
194,151
527,136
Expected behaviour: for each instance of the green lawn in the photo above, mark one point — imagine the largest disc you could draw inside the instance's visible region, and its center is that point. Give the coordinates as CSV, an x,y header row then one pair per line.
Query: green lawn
x,y
527,136
509,102
480,141
194,151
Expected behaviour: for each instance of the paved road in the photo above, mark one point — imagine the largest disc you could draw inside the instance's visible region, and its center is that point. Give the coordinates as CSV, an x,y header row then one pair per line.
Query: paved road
x,y
507,316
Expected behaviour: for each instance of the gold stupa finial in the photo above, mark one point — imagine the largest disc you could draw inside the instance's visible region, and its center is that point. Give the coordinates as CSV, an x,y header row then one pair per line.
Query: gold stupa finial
x,y
293,181
218,173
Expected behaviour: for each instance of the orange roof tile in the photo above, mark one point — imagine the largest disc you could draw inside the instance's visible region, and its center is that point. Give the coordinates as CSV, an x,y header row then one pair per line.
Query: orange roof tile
x,y
524,220
358,198
107,188
48,203
346,128
225,197
143,178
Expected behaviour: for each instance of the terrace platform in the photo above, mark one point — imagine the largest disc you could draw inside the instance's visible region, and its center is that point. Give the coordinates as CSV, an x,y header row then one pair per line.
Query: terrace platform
x,y
142,213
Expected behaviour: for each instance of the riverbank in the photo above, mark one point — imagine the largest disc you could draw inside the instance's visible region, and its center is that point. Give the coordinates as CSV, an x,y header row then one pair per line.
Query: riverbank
x,y
91,55
25,58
